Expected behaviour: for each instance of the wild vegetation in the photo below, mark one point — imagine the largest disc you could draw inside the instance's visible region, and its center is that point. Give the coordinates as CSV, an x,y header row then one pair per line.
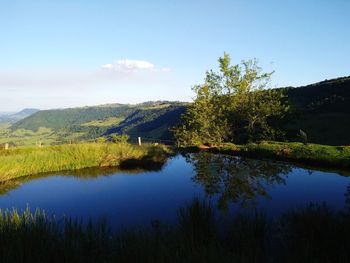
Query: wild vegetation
x,y
313,234
17,162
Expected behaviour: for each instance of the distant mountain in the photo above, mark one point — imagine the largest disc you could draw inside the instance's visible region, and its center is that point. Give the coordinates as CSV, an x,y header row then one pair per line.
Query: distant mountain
x,y
14,117
5,113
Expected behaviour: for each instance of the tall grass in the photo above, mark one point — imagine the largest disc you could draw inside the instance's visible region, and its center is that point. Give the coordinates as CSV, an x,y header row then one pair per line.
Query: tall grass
x,y
313,234
19,162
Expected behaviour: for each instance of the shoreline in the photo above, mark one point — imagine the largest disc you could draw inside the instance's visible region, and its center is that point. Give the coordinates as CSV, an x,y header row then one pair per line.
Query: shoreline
x,y
23,162
315,155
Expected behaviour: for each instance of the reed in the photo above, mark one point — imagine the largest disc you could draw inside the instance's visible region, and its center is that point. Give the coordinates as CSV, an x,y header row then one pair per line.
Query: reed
x,y
312,234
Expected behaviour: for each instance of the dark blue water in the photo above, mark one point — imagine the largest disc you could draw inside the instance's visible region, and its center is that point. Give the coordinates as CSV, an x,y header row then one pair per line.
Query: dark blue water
x,y
128,198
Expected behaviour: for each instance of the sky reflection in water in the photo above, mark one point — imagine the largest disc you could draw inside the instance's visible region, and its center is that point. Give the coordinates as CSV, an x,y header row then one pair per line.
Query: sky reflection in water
x,y
135,197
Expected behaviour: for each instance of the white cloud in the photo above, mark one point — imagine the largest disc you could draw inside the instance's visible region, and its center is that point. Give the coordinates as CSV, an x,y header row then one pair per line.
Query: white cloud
x,y
107,66
128,65
165,69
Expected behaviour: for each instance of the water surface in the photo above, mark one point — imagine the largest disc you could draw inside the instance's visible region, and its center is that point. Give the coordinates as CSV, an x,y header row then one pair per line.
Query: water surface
x,y
135,197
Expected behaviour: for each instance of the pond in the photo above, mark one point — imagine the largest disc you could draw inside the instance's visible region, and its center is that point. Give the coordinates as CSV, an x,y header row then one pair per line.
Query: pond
x,y
129,198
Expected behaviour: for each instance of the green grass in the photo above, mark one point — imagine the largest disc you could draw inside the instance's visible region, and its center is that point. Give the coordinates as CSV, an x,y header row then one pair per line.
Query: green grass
x,y
104,123
22,137
313,154
4,126
312,234
17,162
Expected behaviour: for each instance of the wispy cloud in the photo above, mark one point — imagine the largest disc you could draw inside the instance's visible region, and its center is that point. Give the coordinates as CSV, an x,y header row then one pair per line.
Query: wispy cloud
x,y
126,81
129,65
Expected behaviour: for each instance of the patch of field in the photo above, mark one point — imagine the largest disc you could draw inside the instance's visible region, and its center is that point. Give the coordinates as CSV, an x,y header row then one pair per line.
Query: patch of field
x,y
4,126
23,137
162,106
104,123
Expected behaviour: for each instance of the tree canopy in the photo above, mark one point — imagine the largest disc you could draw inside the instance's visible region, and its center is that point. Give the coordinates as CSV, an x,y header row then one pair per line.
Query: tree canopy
x,y
234,104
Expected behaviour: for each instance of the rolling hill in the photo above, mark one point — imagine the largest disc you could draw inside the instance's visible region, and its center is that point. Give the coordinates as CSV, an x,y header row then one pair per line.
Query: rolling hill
x,y
14,117
321,110
151,120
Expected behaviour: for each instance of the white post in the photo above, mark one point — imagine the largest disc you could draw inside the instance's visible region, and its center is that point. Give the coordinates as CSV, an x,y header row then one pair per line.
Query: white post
x,y
139,140
6,146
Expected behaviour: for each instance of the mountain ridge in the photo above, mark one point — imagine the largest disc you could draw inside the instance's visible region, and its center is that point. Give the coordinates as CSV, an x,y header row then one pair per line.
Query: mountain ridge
x,y
16,116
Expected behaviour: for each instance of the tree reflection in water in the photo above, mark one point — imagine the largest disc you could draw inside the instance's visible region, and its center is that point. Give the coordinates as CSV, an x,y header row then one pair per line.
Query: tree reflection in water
x,y
236,179
347,199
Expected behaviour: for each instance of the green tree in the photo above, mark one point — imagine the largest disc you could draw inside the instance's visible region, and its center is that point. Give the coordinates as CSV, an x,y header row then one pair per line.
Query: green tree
x,y
234,105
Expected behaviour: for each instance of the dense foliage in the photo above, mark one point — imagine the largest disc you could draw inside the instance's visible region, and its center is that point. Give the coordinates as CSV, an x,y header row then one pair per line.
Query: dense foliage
x,y
233,105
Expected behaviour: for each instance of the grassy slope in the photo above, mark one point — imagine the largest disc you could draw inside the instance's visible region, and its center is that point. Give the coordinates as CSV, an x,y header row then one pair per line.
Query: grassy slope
x,y
19,162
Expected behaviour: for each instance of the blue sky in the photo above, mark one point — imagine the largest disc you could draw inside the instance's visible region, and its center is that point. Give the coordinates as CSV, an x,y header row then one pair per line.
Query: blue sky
x,y
66,53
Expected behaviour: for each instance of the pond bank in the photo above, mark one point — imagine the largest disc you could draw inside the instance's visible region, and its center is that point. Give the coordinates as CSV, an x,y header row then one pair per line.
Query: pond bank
x,y
20,162
309,154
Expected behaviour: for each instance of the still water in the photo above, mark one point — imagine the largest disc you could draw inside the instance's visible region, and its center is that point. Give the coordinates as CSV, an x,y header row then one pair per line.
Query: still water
x,y
136,197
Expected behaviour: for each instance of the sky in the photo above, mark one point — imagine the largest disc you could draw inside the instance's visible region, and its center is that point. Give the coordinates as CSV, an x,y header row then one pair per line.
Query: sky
x,y
67,53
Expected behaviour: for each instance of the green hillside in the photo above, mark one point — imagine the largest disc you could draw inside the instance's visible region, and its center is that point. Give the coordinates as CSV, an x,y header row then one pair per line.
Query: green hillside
x,y
322,110
64,118
150,123
150,120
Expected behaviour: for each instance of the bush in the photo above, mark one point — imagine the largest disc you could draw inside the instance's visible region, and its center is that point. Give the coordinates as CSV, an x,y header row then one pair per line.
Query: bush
x,y
116,138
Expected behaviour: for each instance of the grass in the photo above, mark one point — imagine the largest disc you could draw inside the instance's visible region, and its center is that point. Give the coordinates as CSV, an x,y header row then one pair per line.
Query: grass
x,y
312,154
47,136
23,137
313,234
104,123
17,162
